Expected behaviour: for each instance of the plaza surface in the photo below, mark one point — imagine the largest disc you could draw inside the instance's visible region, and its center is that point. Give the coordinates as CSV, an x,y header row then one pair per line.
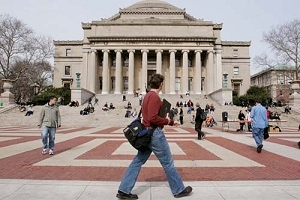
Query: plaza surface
x,y
89,163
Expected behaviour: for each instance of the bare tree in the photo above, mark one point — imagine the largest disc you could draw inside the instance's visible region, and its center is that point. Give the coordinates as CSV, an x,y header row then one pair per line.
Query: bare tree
x,y
18,44
36,79
24,57
284,40
14,40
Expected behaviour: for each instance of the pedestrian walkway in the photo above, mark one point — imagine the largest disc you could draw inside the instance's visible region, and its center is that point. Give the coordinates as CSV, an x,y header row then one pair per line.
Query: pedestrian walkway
x,y
89,163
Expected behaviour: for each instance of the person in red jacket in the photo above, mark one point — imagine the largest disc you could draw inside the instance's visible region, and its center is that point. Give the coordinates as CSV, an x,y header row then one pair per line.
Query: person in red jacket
x,y
158,145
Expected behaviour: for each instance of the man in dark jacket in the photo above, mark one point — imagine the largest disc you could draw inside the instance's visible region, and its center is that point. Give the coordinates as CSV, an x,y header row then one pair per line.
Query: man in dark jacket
x,y
199,120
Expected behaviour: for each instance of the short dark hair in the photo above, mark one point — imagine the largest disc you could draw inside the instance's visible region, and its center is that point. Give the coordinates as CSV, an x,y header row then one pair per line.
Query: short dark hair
x,y
156,80
53,97
258,101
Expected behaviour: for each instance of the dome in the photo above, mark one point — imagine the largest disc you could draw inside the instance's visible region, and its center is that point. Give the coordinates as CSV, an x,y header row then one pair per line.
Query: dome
x,y
153,5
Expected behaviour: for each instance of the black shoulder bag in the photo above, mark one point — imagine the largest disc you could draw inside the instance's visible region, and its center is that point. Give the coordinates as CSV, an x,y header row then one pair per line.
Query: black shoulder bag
x,y
137,134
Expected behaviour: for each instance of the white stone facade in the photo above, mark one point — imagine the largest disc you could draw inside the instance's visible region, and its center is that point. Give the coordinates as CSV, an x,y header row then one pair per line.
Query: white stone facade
x,y
119,54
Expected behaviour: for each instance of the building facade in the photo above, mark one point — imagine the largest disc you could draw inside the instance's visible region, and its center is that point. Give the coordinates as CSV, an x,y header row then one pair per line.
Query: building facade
x,y
118,55
277,81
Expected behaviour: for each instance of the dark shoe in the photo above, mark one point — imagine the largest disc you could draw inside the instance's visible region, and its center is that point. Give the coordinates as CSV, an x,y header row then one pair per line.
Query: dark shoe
x,y
187,191
122,195
259,148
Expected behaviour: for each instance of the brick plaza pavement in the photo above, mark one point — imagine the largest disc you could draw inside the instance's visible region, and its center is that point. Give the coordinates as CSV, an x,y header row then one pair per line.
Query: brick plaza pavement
x,y
102,155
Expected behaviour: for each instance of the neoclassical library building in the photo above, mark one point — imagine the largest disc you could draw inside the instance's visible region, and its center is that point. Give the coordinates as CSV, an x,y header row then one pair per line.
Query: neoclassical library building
x,y
119,54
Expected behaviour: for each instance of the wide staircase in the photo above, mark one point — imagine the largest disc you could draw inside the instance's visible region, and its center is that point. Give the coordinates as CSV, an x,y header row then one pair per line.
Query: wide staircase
x,y
71,117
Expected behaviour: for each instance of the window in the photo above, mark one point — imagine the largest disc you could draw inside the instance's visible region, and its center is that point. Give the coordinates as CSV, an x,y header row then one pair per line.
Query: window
x,y
100,82
177,84
236,71
190,84
235,52
125,83
113,82
177,62
190,63
67,70
202,83
68,52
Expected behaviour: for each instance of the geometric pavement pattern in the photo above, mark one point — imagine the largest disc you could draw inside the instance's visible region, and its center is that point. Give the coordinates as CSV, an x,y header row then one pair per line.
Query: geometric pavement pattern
x,y
97,154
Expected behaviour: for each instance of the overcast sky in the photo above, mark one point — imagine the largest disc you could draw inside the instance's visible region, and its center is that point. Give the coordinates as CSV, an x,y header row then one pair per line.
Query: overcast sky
x,y
244,20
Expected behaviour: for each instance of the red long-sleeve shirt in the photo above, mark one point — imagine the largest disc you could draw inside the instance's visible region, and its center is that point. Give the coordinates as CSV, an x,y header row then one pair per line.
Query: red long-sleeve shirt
x,y
150,110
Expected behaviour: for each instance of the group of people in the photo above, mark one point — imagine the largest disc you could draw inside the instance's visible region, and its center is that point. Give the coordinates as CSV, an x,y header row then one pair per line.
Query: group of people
x,y
210,108
74,103
107,108
158,145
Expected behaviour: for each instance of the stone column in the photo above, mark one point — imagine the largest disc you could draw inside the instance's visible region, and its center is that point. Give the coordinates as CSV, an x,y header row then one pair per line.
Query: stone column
x,y
119,77
93,71
209,72
159,61
219,69
185,71
105,75
197,73
144,70
84,69
172,71
131,71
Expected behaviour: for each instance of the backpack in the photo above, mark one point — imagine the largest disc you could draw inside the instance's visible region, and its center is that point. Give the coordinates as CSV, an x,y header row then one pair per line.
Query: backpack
x,y
203,115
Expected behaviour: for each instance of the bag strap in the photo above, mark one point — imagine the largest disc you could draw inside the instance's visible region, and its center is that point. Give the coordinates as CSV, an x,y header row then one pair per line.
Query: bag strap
x,y
140,113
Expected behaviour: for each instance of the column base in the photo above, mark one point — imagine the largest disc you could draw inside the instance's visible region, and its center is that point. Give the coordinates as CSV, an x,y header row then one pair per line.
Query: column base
x,y
104,92
129,92
172,93
117,93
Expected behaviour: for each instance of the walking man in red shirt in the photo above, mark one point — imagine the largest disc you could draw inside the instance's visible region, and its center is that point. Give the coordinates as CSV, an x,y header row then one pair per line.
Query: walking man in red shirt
x,y
159,146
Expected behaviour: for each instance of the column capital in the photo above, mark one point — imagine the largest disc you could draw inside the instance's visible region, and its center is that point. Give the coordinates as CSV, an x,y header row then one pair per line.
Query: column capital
x,y
118,50
185,51
131,50
145,51
105,50
198,51
210,51
94,50
159,51
172,51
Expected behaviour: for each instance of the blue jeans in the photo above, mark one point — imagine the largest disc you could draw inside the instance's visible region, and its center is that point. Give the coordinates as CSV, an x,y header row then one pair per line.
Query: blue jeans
x,y
258,135
48,132
160,147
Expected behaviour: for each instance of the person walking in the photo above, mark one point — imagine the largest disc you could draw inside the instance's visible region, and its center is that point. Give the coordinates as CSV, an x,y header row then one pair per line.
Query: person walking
x,y
181,116
158,145
259,123
198,121
96,101
49,120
